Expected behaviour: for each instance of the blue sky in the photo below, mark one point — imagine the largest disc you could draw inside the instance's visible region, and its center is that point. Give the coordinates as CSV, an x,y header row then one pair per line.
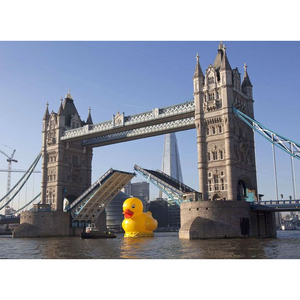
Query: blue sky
x,y
133,77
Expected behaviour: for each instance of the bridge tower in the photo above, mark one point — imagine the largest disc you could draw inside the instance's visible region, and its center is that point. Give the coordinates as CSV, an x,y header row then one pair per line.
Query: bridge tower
x,y
226,156
66,167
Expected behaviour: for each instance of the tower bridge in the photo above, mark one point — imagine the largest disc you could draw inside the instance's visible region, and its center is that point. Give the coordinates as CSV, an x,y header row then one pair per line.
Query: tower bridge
x,y
225,148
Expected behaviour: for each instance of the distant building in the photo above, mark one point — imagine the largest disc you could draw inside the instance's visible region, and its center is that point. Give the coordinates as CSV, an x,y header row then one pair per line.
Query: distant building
x,y
171,161
139,190
114,213
159,210
173,215
9,210
171,166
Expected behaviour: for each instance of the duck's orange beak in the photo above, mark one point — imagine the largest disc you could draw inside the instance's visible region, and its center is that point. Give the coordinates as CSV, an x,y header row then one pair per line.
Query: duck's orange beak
x,y
128,213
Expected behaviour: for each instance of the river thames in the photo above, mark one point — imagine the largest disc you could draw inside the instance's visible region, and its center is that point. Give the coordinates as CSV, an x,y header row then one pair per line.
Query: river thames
x,y
165,245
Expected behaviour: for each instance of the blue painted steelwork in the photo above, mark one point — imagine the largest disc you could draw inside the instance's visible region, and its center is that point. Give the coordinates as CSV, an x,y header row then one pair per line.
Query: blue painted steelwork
x,y
18,186
174,189
287,145
170,195
9,219
277,205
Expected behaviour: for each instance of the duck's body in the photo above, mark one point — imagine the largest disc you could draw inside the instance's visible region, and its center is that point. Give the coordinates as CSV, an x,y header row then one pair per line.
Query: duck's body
x,y
136,222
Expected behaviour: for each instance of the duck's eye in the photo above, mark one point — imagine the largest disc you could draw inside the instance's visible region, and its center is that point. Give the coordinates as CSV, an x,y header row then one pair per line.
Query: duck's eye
x,y
133,206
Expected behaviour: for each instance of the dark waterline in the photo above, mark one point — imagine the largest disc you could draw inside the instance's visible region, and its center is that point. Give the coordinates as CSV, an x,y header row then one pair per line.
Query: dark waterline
x,y
162,246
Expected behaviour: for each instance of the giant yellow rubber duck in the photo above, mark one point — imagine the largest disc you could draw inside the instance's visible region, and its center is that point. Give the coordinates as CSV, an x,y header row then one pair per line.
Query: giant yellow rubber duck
x,y
136,223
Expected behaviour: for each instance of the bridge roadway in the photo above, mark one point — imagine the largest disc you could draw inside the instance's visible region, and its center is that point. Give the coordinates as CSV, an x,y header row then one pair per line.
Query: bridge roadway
x,y
277,205
271,205
125,128
9,220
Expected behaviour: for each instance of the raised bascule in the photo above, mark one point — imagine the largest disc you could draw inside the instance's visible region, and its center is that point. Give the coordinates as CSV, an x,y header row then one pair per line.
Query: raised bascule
x,y
226,161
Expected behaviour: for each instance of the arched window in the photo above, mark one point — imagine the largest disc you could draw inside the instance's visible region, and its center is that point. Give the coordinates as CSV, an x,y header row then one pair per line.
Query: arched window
x,y
216,179
215,155
222,185
221,154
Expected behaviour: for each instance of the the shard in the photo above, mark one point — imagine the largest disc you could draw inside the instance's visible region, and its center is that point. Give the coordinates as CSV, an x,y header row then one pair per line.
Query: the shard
x,y
171,162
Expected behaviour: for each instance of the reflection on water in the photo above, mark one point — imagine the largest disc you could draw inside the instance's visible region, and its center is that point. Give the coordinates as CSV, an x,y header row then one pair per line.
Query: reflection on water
x,y
161,246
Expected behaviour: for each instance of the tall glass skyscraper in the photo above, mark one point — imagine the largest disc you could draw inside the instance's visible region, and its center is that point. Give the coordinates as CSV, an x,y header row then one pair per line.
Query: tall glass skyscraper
x,y
171,161
171,166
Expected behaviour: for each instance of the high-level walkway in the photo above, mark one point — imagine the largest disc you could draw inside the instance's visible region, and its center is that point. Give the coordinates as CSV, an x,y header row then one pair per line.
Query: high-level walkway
x,y
126,128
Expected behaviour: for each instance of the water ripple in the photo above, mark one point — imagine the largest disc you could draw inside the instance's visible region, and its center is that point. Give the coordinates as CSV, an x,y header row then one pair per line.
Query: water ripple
x,y
161,246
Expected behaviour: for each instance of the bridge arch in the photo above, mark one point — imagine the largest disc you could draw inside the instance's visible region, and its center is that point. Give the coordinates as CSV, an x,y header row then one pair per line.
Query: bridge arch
x,y
68,199
245,189
216,197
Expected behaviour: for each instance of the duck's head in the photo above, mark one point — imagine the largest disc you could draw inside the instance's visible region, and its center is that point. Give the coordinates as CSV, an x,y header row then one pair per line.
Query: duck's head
x,y
132,207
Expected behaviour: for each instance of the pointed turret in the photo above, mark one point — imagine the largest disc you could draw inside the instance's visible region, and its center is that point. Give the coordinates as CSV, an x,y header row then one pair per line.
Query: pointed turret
x,y
225,70
198,77
225,65
69,110
61,108
46,115
68,96
246,79
218,59
198,70
247,85
89,120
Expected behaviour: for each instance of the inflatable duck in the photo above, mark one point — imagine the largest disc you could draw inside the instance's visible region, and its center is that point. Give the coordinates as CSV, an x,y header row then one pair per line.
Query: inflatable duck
x,y
136,222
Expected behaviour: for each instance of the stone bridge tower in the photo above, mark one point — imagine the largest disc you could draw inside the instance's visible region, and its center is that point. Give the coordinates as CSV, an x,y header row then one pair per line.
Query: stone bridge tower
x,y
66,167
226,156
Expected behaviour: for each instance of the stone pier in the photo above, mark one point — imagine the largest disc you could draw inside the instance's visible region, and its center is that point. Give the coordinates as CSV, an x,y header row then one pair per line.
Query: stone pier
x,y
224,219
50,224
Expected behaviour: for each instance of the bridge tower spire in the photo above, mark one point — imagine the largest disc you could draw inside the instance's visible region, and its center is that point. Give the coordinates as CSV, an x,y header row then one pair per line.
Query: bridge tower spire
x,y
247,85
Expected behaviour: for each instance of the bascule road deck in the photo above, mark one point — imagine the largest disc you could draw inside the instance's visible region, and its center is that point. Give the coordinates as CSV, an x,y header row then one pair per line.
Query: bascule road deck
x,y
93,201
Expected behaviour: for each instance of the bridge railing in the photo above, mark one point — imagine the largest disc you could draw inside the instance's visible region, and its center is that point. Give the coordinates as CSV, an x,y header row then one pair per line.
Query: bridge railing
x,y
279,202
157,113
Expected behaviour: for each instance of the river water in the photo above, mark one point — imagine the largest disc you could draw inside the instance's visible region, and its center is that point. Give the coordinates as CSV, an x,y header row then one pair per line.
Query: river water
x,y
165,245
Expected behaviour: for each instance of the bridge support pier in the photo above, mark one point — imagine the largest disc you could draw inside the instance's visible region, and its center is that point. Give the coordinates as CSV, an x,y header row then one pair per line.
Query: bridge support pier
x,y
50,224
224,219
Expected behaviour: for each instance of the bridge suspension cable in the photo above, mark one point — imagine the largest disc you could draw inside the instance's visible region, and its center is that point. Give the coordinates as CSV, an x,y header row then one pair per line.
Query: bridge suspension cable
x,y
18,186
289,146
27,204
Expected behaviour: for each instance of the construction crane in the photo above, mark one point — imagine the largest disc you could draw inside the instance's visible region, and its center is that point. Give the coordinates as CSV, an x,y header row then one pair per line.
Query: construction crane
x,y
10,159
17,171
